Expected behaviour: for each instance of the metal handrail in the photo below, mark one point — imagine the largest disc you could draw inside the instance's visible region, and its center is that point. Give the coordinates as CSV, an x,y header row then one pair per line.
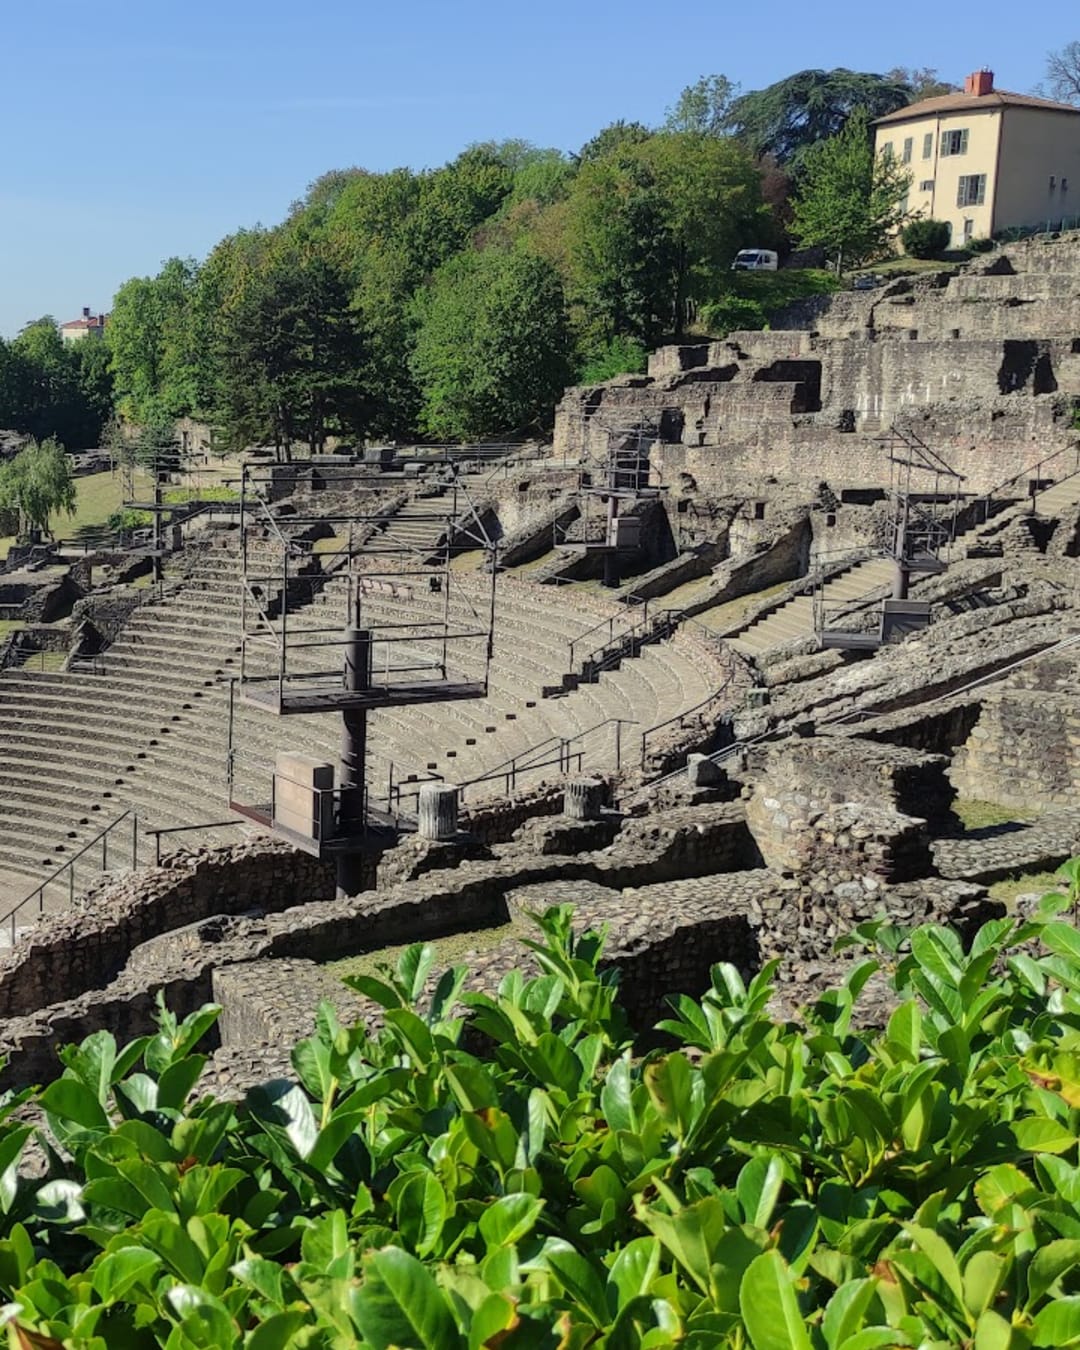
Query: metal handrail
x,y
858,712
511,769
689,712
156,835
102,838
1033,474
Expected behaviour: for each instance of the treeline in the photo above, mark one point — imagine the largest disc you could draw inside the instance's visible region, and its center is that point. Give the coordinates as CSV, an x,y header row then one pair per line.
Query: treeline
x,y
52,390
458,302
450,303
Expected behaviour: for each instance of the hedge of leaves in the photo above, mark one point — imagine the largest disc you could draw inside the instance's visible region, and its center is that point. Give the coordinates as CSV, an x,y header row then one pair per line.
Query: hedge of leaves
x,y
520,1178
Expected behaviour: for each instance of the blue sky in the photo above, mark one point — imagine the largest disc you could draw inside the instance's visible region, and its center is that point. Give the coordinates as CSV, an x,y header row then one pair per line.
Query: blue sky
x,y
138,129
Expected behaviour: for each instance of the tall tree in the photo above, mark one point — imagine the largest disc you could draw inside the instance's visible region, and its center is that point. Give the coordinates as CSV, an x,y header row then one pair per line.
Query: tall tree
x,y
617,136
38,483
923,81
652,225
850,201
703,107
290,350
493,349
788,117
1063,73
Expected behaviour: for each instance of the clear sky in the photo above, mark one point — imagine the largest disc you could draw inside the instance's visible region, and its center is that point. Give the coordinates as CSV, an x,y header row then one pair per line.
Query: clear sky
x,y
139,129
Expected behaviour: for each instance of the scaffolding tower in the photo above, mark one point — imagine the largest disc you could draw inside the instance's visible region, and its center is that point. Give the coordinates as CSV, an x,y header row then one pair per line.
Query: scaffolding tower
x,y
397,639
609,485
924,505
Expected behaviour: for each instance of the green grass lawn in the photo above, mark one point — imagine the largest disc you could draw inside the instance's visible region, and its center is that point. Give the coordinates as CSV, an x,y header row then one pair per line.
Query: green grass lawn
x,y
97,496
449,951
978,815
1021,883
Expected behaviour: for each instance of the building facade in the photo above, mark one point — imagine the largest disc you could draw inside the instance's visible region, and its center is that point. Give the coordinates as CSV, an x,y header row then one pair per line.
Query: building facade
x,y
986,160
86,326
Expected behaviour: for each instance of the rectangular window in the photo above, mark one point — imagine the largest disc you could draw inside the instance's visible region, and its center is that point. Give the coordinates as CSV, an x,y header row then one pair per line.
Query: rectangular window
x,y
904,205
909,145
971,189
1053,182
969,230
886,150
928,145
954,142
927,185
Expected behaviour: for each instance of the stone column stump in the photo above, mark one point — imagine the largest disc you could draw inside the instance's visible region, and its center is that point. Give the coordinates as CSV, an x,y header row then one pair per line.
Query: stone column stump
x,y
438,811
584,798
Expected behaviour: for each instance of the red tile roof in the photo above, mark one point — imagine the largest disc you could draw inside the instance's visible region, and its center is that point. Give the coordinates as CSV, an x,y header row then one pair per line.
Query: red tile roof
x,y
94,321
950,103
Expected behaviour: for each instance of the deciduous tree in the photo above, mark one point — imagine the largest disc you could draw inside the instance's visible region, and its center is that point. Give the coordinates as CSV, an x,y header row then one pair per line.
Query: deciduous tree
x,y
1063,73
703,107
38,483
493,348
850,200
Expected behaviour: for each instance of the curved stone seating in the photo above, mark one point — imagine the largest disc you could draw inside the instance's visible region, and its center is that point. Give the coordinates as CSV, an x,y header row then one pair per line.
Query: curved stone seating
x,y
148,728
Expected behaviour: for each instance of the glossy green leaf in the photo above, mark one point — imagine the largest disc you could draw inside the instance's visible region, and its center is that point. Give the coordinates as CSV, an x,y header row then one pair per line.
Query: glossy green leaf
x,y
399,1304
769,1306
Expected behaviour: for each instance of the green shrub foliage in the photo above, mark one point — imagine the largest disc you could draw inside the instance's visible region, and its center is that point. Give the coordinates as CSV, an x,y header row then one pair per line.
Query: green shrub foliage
x,y
538,1182
924,238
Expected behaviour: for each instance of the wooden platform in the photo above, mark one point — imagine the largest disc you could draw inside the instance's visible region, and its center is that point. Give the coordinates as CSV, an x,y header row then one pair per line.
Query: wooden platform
x,y
317,699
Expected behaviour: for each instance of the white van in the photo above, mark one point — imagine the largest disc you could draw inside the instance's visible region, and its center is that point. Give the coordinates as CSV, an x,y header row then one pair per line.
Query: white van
x,y
755,260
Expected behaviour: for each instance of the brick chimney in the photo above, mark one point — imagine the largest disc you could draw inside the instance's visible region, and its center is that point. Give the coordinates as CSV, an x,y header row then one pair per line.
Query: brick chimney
x,y
979,83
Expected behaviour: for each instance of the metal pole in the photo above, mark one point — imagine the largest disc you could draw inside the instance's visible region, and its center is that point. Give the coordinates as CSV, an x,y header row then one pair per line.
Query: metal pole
x,y
353,755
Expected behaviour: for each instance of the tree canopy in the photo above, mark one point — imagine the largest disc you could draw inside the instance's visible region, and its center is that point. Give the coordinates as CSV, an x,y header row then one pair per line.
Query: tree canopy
x,y
52,389
37,484
787,118
335,321
850,200
493,347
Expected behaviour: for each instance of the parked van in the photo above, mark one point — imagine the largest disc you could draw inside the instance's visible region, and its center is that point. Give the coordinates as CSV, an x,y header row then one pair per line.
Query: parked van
x,y
755,260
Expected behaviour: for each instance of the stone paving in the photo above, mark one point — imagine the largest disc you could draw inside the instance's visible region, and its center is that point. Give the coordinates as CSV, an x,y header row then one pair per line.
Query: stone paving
x,y
1001,850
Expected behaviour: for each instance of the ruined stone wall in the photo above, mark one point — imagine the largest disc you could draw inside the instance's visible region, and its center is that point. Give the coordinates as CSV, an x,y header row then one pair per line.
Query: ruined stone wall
x,y
985,365
1023,751
86,946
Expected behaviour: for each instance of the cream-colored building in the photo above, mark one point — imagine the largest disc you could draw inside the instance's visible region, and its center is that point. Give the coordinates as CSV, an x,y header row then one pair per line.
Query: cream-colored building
x,y
89,326
985,160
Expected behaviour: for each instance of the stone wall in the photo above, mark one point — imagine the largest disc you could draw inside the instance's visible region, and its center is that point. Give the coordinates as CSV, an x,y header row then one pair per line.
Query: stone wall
x,y
983,365
85,947
1023,751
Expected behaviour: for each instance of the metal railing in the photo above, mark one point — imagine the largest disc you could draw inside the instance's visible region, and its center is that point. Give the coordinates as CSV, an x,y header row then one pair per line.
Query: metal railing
x,y
698,708
567,753
158,835
622,616
67,869
1034,478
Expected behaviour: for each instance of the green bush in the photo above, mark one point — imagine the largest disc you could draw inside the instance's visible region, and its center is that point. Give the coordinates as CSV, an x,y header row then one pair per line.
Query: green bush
x,y
753,298
620,356
548,1183
981,245
925,238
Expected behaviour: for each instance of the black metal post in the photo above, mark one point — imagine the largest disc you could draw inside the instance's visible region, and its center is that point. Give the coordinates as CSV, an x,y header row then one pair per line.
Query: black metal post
x,y
352,816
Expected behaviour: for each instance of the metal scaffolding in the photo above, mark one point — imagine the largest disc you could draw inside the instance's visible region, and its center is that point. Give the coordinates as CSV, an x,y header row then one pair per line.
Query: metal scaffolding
x,y
924,505
396,640
609,485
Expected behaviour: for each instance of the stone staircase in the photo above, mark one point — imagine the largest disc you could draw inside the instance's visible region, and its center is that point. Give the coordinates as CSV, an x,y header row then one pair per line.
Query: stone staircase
x,y
795,619
144,727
